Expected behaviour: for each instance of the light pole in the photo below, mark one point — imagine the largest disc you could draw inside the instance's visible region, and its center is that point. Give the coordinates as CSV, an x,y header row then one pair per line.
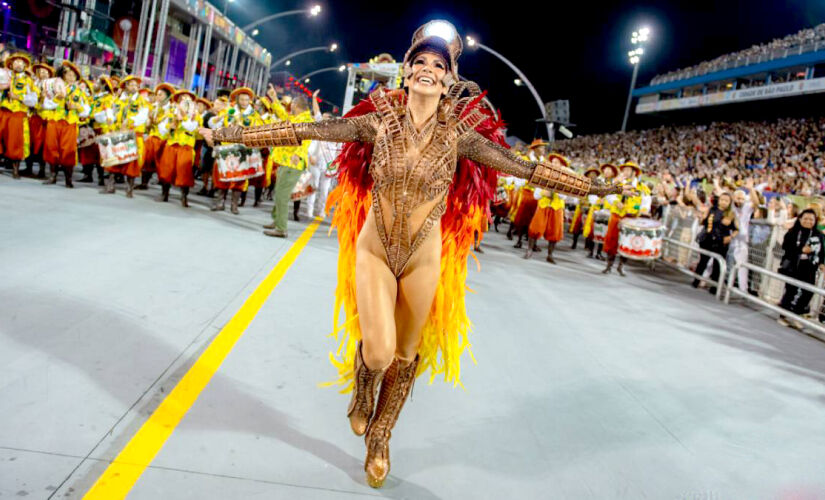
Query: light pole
x,y
329,48
472,42
313,12
635,56
226,6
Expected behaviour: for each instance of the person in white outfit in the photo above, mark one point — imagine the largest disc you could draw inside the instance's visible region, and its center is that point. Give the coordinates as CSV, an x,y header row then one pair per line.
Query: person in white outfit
x,y
743,206
321,156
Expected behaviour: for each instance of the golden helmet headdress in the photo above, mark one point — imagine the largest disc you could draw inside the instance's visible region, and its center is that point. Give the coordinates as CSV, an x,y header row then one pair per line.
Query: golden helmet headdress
x,y
441,37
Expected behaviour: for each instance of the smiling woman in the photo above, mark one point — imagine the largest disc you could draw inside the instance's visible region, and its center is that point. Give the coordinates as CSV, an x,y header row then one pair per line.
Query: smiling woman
x,y
424,160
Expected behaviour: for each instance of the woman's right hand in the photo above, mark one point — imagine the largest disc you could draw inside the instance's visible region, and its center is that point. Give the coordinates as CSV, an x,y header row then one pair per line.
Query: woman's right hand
x,y
806,249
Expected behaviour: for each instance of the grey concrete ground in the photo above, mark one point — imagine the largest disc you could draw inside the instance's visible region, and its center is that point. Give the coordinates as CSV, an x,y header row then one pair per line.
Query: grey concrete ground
x,y
586,386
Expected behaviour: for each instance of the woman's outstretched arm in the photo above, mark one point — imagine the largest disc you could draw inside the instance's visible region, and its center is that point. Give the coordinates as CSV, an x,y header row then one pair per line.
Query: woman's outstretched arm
x,y
474,146
357,129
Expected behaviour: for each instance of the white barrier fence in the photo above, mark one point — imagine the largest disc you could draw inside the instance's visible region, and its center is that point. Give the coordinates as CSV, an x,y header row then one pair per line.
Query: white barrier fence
x,y
687,252
816,303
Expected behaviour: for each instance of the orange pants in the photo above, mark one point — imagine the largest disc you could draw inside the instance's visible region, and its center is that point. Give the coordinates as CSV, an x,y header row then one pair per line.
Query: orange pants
x,y
14,134
153,151
547,223
611,239
175,166
526,210
131,169
60,148
37,133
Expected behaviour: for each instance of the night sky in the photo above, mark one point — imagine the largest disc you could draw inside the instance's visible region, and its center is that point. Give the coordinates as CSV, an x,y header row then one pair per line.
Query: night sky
x,y
572,50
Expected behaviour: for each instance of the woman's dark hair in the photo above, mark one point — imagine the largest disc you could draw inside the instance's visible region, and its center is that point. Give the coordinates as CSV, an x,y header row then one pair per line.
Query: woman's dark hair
x,y
61,71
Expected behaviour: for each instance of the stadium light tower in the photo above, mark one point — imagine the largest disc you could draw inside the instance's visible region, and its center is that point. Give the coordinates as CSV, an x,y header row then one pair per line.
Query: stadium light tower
x,y
638,38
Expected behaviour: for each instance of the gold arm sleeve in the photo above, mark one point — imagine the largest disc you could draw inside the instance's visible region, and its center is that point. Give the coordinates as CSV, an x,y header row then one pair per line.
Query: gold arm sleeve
x,y
560,179
361,129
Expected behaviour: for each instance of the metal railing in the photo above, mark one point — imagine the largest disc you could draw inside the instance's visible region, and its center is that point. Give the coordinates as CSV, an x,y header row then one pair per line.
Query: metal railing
x,y
723,266
817,290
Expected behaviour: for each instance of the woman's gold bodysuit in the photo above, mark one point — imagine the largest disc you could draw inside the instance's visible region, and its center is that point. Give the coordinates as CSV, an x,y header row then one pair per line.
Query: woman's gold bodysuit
x,y
413,170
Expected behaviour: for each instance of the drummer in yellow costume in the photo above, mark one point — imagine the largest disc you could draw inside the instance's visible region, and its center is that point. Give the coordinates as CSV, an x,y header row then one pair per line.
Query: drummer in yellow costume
x,y
586,210
241,113
65,112
548,221
291,161
37,124
103,114
157,132
264,108
622,207
132,113
175,165
17,101
609,172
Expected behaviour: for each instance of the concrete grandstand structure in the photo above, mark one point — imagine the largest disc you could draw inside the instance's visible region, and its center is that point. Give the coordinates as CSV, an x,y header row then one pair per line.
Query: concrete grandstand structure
x,y
793,70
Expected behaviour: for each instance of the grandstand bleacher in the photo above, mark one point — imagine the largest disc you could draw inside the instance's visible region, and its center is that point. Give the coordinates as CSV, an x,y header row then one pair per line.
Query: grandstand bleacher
x,y
786,67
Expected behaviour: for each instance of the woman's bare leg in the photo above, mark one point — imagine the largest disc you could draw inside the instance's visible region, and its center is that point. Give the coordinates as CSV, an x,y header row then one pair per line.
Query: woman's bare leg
x,y
416,291
375,295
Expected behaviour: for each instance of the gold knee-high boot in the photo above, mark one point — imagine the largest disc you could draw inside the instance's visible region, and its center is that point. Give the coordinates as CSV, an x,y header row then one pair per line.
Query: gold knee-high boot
x,y
362,404
397,384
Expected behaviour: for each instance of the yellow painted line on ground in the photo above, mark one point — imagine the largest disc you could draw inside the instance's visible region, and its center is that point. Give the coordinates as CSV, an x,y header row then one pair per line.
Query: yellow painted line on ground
x,y
124,471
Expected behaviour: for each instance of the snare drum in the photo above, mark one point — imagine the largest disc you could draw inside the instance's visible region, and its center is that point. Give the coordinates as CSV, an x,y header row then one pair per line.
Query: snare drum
x,y
117,148
600,220
238,163
640,238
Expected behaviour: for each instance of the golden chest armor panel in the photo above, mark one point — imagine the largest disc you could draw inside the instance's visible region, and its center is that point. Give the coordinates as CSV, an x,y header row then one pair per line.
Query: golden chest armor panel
x,y
411,168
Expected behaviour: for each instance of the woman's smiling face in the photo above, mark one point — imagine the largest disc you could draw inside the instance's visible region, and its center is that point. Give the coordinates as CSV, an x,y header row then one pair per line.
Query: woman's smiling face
x,y
428,72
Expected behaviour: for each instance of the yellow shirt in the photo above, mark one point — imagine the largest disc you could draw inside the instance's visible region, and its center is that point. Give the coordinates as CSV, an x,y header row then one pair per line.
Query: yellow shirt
x,y
132,112
104,103
182,137
72,116
20,85
158,113
284,155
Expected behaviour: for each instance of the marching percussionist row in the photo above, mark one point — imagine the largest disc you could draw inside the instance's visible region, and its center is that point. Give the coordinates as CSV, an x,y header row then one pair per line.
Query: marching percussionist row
x,y
122,130
539,213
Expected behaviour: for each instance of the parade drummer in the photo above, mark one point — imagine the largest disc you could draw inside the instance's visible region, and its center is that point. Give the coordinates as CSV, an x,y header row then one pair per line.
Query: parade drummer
x,y
264,108
622,207
132,114
175,165
65,111
88,155
240,113
586,209
207,160
548,221
15,106
582,208
609,172
526,209
157,132
103,119
291,161
37,124
201,107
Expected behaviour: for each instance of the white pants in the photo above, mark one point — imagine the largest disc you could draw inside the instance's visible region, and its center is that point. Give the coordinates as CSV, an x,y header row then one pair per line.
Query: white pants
x,y
316,202
739,249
